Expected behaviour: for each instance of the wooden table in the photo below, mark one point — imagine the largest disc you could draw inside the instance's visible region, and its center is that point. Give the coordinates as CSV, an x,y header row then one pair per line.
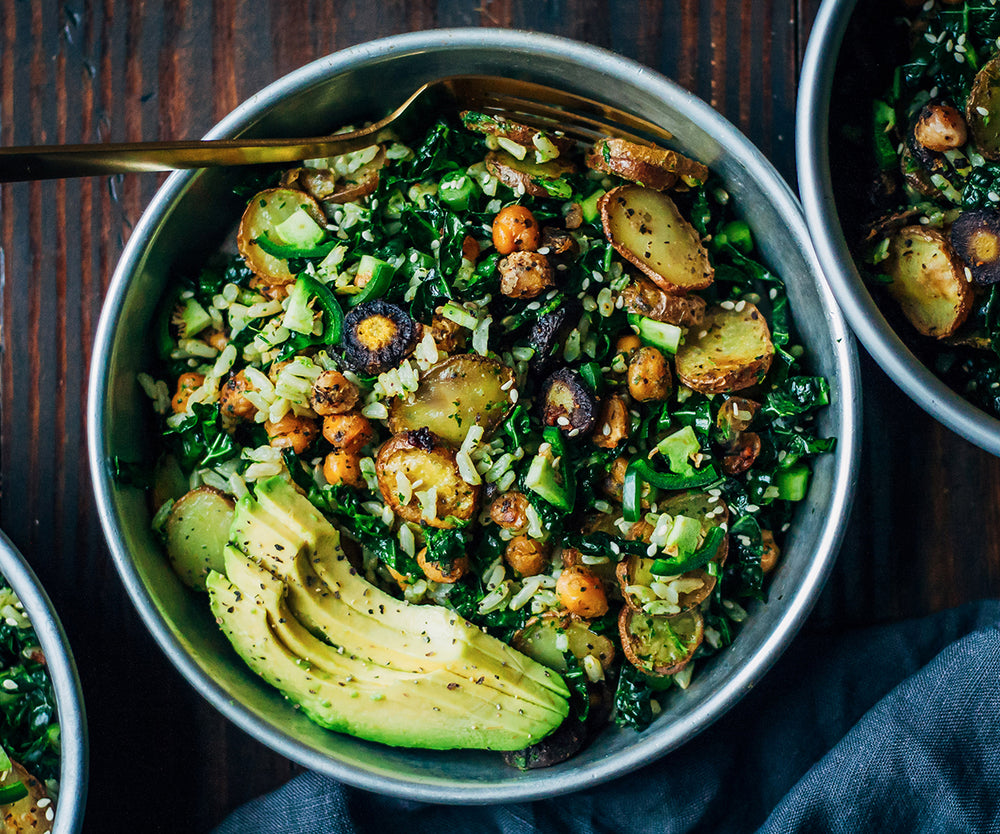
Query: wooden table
x,y
76,71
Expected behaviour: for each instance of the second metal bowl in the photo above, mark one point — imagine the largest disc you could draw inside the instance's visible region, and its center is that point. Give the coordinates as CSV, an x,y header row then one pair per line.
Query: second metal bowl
x,y
827,188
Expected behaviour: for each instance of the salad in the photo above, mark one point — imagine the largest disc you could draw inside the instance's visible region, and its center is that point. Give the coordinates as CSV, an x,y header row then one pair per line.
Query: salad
x,y
29,728
933,249
549,389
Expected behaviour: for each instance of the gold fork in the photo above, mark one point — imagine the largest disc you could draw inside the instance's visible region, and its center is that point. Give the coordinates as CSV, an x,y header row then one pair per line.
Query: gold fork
x,y
537,105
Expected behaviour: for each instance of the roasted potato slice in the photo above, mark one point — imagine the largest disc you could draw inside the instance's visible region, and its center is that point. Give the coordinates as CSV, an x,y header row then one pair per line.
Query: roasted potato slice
x,y
548,145
535,178
265,211
195,533
26,815
731,350
359,183
646,229
462,391
982,109
649,166
644,298
928,281
427,465
660,646
540,640
634,572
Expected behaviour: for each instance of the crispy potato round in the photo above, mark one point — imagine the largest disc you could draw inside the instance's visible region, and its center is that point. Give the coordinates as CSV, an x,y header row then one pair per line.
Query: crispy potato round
x,y
634,571
525,175
644,298
660,646
649,166
928,281
523,135
265,211
539,640
458,392
27,814
982,107
731,351
646,229
427,463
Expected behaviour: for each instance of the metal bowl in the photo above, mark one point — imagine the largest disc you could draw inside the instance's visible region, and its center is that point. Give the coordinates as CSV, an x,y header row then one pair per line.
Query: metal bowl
x,y
65,683
192,214
829,83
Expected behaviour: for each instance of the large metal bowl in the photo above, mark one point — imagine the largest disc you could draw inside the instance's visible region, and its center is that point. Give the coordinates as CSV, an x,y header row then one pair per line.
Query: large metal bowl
x,y
848,62
65,683
191,215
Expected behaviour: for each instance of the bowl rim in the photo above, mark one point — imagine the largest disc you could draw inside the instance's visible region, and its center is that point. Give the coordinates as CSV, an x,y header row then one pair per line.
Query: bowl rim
x,y
74,741
816,192
644,750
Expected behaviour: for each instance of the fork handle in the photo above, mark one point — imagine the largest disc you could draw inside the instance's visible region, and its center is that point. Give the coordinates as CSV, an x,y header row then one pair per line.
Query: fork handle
x,y
43,162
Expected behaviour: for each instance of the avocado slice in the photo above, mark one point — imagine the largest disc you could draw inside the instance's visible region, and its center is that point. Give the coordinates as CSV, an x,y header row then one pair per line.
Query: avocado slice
x,y
284,552
391,707
321,585
254,580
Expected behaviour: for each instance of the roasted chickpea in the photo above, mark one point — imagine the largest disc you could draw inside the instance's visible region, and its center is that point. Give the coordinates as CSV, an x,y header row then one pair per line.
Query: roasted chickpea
x,y
613,483
649,376
447,334
187,384
333,393
526,557
510,511
470,248
940,127
217,339
515,230
348,432
612,423
641,531
343,468
269,291
232,400
435,572
627,345
573,217
525,274
770,554
292,432
581,592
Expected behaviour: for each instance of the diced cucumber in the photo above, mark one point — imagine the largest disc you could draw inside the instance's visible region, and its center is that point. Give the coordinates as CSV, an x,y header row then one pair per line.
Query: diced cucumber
x,y
299,316
299,229
659,334
678,448
684,534
792,483
193,319
589,206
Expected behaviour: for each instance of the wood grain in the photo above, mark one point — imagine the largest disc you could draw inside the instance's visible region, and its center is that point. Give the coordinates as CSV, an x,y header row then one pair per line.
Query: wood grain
x,y
90,70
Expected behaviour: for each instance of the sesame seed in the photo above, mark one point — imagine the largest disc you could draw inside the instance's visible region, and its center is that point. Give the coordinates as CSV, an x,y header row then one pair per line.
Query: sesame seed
x,y
959,57
740,305
10,685
727,305
513,395
651,550
982,111
752,508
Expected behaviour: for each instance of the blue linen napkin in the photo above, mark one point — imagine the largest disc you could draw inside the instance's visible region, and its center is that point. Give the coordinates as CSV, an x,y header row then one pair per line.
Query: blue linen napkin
x,y
887,729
